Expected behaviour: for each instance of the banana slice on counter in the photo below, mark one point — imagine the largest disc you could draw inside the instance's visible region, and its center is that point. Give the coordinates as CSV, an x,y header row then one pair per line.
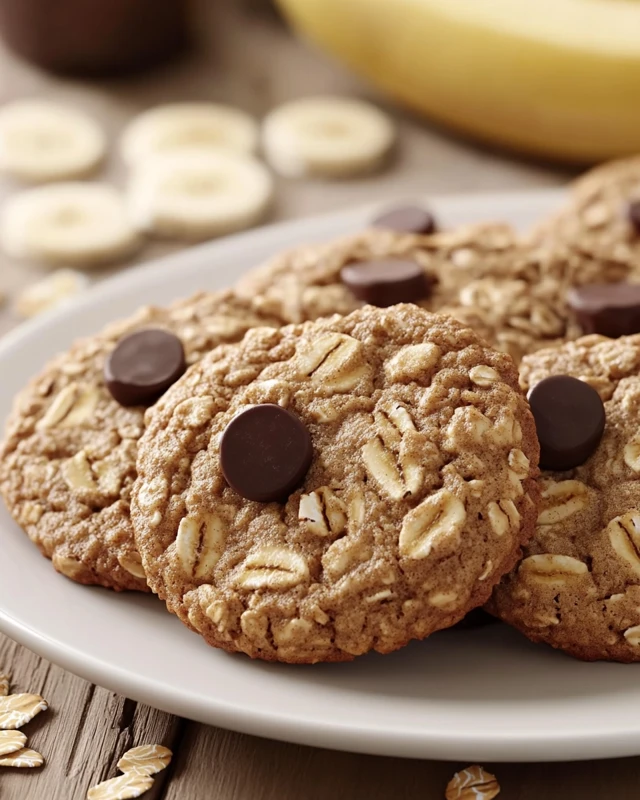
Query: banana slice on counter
x,y
42,141
54,290
198,195
329,137
80,224
182,126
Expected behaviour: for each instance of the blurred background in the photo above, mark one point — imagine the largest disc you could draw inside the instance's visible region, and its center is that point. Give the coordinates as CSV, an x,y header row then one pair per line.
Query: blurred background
x,y
483,98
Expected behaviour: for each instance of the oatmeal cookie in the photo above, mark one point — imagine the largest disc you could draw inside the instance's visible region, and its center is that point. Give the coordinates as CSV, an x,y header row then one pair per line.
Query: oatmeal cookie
x,y
338,486
600,223
578,586
307,282
510,291
68,459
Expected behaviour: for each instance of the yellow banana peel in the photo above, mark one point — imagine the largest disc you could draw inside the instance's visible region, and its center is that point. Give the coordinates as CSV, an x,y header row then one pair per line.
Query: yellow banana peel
x,y
555,78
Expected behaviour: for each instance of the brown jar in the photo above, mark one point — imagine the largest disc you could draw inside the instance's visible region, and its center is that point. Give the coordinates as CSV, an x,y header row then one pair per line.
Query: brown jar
x,y
95,37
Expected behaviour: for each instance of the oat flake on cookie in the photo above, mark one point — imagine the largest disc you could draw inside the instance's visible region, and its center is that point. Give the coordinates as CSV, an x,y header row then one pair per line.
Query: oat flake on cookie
x,y
419,491
578,585
67,462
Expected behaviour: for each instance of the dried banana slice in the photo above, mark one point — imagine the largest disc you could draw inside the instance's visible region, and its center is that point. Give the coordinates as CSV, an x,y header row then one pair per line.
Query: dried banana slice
x,y
59,287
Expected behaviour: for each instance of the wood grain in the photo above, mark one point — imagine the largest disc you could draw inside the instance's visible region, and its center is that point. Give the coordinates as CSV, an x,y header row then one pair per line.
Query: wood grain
x,y
245,57
206,768
82,735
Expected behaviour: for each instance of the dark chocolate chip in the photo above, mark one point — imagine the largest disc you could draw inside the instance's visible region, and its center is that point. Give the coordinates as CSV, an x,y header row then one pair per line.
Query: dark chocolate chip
x,y
265,453
143,365
386,282
633,214
612,309
570,419
407,219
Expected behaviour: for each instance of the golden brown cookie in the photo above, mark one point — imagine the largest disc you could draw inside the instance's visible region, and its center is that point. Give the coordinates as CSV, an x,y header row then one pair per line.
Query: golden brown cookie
x,y
597,222
510,291
578,586
404,485
68,459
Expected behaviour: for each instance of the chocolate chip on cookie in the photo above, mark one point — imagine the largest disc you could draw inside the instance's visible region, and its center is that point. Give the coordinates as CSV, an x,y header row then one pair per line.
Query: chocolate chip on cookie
x,y
633,215
143,365
611,309
507,289
386,282
578,585
407,219
570,420
68,460
419,493
265,453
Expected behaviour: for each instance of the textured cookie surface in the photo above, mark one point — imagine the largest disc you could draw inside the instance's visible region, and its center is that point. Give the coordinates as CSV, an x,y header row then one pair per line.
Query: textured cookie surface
x,y
68,459
578,587
419,493
595,223
509,291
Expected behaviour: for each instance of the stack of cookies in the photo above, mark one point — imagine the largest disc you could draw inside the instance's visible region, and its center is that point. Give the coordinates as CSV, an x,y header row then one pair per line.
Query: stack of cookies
x,y
337,455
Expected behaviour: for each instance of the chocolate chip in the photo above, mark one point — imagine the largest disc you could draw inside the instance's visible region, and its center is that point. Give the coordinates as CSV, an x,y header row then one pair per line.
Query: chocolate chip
x,y
265,453
143,366
633,214
386,282
407,219
570,419
611,309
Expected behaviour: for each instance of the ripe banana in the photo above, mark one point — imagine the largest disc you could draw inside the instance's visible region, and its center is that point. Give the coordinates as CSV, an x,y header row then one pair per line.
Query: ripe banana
x,y
561,79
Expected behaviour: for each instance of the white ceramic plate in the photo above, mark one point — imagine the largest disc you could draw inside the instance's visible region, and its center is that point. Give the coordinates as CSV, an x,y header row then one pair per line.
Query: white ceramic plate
x,y
486,694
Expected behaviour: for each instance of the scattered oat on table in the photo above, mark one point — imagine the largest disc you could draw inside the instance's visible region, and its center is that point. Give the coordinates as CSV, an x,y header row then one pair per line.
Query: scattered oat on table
x,y
24,758
5,681
124,787
11,742
18,709
472,783
148,759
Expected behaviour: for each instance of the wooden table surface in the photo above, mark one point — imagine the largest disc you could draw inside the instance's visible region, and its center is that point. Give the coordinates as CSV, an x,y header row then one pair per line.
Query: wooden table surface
x,y
247,58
